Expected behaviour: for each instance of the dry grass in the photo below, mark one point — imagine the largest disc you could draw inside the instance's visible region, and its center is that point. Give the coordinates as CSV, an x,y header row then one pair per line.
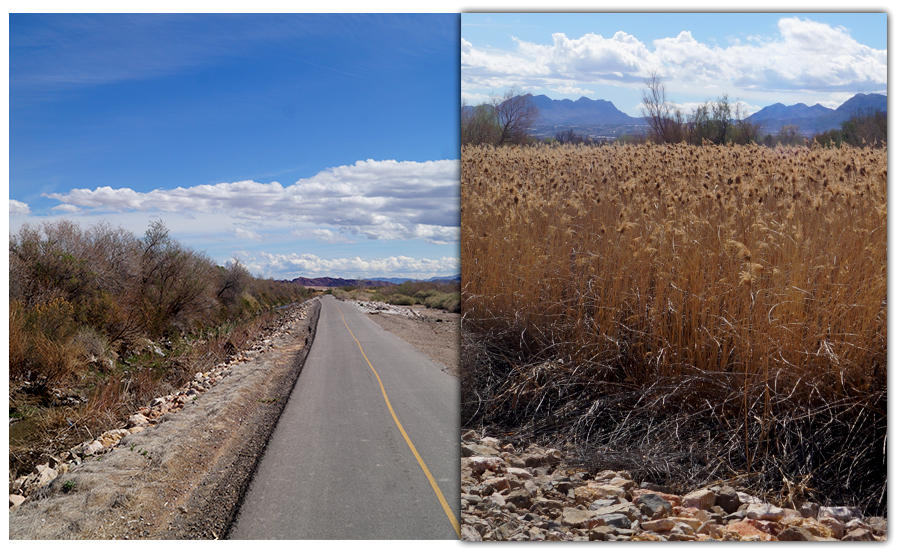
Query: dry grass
x,y
110,396
741,290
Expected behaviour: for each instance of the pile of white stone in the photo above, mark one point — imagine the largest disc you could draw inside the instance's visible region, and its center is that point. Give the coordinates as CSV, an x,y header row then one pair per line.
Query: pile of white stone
x,y
382,307
148,416
529,494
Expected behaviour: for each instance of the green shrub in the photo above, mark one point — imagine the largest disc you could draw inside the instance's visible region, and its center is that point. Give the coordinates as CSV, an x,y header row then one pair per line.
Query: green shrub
x,y
449,301
340,294
402,300
249,305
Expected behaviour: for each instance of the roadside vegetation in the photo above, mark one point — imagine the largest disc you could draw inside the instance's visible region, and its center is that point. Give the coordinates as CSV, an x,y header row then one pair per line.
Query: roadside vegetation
x,y
691,313
437,295
101,322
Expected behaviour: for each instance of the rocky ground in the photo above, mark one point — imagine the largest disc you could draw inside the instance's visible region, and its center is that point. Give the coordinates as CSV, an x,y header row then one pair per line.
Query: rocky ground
x,y
180,465
434,332
529,493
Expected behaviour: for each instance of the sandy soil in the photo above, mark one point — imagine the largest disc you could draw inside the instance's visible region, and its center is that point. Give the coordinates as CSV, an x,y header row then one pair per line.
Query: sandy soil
x,y
436,334
184,478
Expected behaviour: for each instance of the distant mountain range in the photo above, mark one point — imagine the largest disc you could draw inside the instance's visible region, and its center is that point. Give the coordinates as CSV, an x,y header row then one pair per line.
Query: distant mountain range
x,y
583,112
330,282
816,118
451,278
586,112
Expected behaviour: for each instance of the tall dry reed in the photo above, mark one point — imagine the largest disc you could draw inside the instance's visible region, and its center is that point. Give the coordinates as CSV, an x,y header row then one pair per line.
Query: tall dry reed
x,y
755,278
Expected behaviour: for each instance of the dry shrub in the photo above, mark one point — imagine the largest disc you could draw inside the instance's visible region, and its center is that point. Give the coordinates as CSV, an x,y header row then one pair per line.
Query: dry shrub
x,y
83,302
42,349
732,298
18,339
95,347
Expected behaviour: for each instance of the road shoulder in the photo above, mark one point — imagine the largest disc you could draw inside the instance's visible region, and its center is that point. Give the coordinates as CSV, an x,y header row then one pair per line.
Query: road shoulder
x,y
433,332
184,478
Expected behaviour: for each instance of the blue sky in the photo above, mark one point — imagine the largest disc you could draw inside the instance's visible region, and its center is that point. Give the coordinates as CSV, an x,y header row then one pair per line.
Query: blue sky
x,y
313,145
327,145
757,58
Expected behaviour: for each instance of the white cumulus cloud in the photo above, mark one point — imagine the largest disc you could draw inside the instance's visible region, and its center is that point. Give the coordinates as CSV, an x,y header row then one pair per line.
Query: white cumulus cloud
x,y
386,200
322,235
567,90
18,208
248,234
804,55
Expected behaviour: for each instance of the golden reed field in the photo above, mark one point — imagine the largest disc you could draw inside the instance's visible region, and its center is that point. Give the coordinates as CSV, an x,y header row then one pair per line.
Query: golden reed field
x,y
611,294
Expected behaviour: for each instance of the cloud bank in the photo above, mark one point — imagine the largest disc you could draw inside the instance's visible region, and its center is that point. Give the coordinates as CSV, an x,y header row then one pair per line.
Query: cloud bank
x,y
805,56
378,200
312,266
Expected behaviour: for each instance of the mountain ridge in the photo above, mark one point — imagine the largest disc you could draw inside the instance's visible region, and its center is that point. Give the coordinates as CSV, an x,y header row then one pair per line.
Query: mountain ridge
x,y
816,118
585,112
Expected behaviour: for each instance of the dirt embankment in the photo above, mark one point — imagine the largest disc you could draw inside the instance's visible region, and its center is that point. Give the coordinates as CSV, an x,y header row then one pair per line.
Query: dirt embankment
x,y
184,478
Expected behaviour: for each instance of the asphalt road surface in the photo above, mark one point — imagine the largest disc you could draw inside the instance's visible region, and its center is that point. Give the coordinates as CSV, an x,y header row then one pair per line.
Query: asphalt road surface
x,y
338,465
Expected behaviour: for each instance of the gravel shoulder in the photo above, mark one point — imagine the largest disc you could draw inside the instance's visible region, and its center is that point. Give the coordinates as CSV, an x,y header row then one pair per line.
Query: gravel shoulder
x,y
434,332
185,477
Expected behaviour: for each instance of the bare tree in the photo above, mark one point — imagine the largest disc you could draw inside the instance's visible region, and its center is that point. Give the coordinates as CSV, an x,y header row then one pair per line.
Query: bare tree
x,y
515,114
746,131
504,120
665,120
569,136
710,122
233,280
721,120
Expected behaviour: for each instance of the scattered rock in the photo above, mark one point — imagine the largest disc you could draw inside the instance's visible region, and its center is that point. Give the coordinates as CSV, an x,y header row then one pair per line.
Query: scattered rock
x,y
878,525
544,499
577,518
479,464
747,531
835,526
616,520
469,534
765,511
701,499
858,535
659,525
728,499
809,510
843,514
91,448
796,534
137,419
653,505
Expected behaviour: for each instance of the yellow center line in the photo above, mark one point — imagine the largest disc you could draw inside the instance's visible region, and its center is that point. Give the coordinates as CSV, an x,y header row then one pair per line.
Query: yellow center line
x,y
409,442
